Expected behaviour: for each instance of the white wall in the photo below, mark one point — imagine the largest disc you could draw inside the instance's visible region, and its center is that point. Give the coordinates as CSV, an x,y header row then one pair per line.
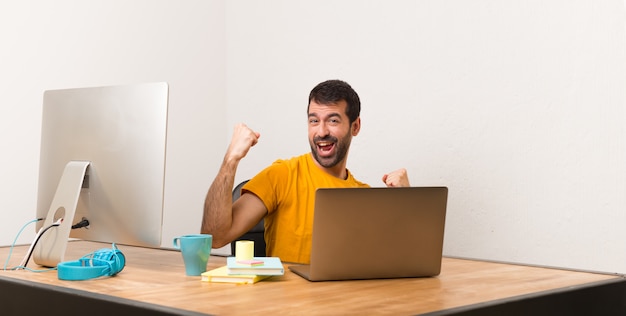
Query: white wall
x,y
516,106
71,43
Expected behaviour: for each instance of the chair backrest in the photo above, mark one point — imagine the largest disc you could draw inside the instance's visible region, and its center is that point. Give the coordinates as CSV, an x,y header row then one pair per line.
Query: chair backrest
x,y
237,190
255,234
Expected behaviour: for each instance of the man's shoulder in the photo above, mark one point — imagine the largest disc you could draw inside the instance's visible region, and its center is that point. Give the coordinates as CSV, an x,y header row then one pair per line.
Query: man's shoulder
x,y
353,182
298,158
284,167
293,161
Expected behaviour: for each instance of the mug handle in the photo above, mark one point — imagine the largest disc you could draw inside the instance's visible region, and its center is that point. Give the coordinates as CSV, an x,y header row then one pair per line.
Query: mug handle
x,y
175,243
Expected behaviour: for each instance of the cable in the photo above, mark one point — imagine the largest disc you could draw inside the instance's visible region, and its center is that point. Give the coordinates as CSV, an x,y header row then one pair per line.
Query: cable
x,y
83,223
16,237
32,246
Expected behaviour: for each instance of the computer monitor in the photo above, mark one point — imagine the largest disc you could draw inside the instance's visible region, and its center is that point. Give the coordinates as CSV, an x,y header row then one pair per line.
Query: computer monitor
x,y
103,159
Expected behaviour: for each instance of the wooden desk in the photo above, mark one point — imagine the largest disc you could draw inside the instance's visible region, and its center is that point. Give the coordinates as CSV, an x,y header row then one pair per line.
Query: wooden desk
x,y
154,281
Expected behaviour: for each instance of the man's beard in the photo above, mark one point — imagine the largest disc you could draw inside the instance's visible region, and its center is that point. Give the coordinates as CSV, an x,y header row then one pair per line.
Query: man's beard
x,y
341,150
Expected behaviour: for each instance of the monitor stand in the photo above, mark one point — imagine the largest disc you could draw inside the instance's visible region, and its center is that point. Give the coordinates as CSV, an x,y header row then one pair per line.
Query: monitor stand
x,y
50,248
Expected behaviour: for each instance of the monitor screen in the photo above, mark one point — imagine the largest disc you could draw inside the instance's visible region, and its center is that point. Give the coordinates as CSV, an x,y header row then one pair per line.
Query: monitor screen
x,y
102,159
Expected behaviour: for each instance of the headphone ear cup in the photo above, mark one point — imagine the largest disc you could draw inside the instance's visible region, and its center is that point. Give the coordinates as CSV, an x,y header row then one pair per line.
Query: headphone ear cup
x,y
104,254
112,256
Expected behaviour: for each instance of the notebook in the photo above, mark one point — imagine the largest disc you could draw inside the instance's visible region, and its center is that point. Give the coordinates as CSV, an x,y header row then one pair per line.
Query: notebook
x,y
372,233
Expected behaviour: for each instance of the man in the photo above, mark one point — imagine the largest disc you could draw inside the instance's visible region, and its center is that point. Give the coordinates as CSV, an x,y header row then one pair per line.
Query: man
x,y
284,193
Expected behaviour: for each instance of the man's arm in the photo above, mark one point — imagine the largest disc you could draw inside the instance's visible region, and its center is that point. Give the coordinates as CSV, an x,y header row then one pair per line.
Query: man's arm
x,y
221,218
398,178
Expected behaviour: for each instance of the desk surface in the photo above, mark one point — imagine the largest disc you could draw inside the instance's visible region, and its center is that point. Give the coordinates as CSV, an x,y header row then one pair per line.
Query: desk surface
x,y
157,276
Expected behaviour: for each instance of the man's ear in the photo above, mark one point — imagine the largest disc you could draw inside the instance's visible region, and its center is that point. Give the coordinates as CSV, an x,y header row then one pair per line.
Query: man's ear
x,y
356,126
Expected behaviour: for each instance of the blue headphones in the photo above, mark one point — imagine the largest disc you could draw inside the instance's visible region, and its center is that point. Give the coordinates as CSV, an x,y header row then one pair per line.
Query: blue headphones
x,y
103,262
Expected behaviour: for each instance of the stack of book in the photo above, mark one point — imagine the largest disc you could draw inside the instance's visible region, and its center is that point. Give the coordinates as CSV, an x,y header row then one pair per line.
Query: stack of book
x,y
245,271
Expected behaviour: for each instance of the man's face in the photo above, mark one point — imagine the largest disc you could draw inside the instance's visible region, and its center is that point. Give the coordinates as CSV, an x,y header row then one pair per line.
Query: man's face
x,y
330,132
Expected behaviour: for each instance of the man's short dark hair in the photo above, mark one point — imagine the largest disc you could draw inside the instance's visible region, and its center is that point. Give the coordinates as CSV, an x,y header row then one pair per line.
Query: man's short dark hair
x,y
333,91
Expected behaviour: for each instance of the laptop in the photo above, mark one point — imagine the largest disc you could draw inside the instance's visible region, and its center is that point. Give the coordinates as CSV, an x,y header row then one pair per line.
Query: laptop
x,y
375,233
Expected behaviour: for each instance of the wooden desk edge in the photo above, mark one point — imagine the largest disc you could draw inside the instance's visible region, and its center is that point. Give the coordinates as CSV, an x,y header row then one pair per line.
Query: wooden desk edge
x,y
616,274
22,299
604,297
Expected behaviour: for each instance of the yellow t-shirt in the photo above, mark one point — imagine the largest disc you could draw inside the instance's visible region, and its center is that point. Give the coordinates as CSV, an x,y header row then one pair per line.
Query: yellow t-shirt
x,y
287,188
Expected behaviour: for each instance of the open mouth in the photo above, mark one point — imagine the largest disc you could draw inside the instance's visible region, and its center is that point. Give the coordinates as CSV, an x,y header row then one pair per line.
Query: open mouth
x,y
325,148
